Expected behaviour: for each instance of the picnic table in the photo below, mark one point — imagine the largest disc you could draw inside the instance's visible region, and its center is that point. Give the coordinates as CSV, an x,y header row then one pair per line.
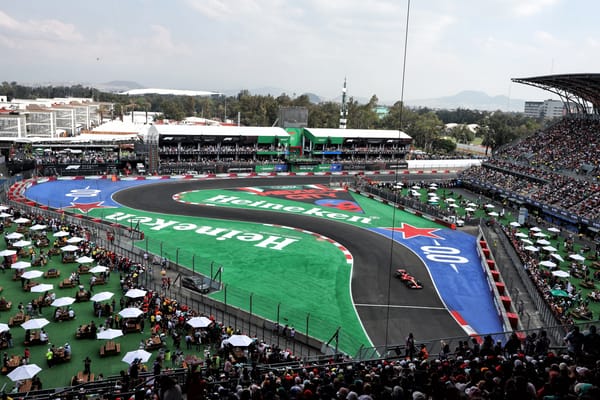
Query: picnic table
x,y
25,386
52,273
34,339
83,269
18,319
13,362
82,295
59,355
67,283
62,315
5,305
153,343
131,325
83,378
84,332
110,348
27,287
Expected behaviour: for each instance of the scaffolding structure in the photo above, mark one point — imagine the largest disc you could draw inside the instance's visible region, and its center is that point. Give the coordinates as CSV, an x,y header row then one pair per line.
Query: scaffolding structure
x,y
13,126
65,120
41,123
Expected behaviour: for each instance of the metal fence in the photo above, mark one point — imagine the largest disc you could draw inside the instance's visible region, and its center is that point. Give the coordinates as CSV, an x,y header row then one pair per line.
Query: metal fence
x,y
237,306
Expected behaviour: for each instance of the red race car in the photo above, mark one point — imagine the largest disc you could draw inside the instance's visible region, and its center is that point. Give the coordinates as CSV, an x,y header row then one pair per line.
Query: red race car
x,y
408,279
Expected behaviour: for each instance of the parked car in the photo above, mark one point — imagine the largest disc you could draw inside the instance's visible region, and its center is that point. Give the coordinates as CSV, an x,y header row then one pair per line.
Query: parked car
x,y
196,283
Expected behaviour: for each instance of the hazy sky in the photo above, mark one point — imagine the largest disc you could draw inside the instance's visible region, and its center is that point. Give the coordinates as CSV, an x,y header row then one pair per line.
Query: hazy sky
x,y
302,45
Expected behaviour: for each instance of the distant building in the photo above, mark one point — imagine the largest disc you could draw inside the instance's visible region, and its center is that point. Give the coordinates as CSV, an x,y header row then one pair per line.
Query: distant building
x,y
547,109
381,111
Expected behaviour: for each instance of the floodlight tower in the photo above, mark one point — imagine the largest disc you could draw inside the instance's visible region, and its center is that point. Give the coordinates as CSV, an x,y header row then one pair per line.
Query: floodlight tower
x,y
344,109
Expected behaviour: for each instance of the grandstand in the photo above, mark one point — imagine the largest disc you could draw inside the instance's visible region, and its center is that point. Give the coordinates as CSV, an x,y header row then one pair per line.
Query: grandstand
x,y
553,173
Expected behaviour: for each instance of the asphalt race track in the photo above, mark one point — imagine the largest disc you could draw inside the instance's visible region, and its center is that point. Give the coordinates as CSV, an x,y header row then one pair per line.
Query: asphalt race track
x,y
388,310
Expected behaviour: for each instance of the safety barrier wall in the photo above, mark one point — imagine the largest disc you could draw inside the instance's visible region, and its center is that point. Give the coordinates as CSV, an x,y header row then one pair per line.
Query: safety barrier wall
x,y
498,291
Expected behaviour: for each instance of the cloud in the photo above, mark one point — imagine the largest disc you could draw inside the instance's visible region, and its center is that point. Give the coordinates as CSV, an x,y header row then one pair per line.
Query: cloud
x,y
163,42
528,8
222,10
46,30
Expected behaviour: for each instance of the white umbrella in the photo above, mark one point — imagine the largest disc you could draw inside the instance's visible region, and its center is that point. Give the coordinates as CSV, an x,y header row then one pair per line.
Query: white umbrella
x,y
75,239
543,242
4,327
561,274
135,293
548,264
469,209
109,334
553,229
557,256
240,340
38,227
69,248
515,224
4,215
453,205
102,296
526,241
432,194
550,249
130,312
139,354
577,257
22,243
199,322
493,214
24,372
61,234
489,206
98,269
540,234
521,235
36,323
450,200
34,273
471,205
531,248
535,229
42,287
20,265
22,220
85,260
14,235
4,208
416,187
63,301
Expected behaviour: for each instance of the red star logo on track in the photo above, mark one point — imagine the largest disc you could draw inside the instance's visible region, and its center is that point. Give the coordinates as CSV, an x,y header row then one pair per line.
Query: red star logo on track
x,y
409,231
86,207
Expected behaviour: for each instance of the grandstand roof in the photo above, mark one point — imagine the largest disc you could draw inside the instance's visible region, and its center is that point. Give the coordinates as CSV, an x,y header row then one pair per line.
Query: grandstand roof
x,y
201,130
357,133
574,88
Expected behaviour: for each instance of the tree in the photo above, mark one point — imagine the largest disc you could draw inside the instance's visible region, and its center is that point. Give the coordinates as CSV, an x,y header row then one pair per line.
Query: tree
x,y
425,129
172,110
441,145
462,133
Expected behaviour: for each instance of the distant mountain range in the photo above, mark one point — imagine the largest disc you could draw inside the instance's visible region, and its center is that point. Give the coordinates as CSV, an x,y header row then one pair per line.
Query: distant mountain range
x,y
473,100
468,99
